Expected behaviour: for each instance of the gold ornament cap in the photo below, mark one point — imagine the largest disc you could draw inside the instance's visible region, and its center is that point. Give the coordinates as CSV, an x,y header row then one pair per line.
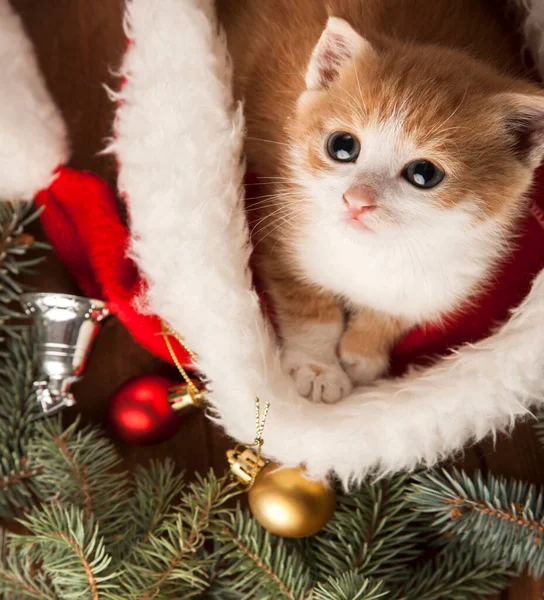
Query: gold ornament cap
x,y
182,397
244,464
288,504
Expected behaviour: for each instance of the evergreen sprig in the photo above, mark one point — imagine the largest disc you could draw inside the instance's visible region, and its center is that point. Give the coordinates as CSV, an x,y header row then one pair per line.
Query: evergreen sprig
x,y
219,582
259,563
19,579
372,532
453,575
502,519
14,245
148,510
349,586
65,544
19,410
156,489
80,469
20,416
171,561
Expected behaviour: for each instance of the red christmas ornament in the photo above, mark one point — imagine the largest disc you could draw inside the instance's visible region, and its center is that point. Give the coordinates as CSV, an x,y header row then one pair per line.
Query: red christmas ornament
x,y
147,409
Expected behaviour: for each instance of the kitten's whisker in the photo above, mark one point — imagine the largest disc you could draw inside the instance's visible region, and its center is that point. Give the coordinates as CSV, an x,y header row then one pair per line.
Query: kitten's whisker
x,y
271,204
283,220
264,200
281,217
277,195
263,205
294,210
261,223
281,237
455,111
267,141
353,105
262,183
281,209
361,112
359,86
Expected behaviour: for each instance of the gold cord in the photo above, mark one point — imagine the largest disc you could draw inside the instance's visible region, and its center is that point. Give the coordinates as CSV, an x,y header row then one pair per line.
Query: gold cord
x,y
259,428
260,421
166,332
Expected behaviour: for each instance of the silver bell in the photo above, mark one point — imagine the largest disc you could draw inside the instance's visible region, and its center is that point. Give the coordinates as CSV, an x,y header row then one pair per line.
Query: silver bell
x,y
63,330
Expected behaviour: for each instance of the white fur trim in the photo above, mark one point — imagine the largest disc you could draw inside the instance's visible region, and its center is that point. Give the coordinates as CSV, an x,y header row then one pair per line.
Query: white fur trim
x,y
33,139
179,140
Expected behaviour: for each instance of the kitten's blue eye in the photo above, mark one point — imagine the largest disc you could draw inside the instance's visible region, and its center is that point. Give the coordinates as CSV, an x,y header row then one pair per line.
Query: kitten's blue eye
x,y
423,174
343,146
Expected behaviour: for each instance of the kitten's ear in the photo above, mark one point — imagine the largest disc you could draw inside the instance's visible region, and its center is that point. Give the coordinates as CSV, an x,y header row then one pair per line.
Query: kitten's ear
x,y
338,44
525,124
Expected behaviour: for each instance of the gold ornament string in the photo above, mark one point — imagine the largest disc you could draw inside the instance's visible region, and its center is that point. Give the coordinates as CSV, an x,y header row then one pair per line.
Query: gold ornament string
x,y
166,332
259,428
260,420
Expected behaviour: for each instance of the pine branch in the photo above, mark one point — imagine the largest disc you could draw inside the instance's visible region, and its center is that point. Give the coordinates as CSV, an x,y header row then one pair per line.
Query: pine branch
x,y
14,244
349,586
170,562
72,555
502,519
371,533
262,565
166,566
156,488
219,584
19,410
78,469
20,415
22,473
453,575
16,481
21,579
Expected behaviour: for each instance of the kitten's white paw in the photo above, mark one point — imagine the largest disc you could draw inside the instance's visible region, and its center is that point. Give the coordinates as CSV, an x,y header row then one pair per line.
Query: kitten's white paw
x,y
317,381
362,369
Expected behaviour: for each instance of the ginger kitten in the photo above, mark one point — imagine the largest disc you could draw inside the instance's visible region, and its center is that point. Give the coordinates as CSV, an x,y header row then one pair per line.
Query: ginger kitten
x,y
397,140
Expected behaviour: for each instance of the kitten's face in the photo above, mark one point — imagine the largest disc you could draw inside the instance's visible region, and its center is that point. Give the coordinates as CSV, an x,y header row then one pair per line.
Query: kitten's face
x,y
401,138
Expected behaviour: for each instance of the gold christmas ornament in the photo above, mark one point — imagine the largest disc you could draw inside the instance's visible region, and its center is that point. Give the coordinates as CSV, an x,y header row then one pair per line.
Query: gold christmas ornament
x,y
288,504
282,500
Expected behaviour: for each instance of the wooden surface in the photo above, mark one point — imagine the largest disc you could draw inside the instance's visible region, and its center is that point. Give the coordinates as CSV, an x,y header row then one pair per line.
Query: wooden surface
x,y
79,43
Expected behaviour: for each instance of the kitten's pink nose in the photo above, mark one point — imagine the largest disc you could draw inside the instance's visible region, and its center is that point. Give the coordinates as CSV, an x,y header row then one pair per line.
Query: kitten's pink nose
x,y
359,199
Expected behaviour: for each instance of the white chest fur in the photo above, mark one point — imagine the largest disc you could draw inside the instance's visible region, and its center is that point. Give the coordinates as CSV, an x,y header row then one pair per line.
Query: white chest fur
x,y
407,273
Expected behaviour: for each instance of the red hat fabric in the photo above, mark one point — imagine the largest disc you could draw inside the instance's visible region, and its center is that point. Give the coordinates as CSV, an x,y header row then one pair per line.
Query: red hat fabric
x,y
82,221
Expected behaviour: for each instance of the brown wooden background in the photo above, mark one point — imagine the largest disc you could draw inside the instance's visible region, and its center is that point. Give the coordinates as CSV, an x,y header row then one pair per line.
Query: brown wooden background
x,y
79,43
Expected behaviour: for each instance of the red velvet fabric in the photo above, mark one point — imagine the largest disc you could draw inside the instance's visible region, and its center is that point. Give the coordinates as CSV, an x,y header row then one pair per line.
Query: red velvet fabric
x,y
82,221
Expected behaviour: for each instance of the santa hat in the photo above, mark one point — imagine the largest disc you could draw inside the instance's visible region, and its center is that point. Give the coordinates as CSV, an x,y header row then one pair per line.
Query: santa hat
x,y
178,138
